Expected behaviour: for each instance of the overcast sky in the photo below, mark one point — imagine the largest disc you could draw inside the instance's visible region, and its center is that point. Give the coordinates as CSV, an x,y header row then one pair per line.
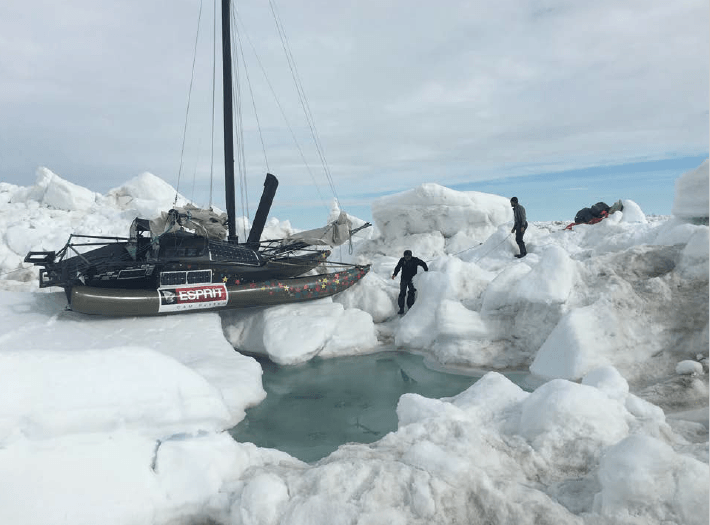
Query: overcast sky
x,y
574,96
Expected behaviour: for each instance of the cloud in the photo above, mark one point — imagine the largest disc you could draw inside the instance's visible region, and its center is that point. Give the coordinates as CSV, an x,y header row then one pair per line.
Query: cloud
x,y
400,95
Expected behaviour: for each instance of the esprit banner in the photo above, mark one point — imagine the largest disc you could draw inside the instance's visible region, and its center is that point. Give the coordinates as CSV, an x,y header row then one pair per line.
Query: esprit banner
x,y
192,297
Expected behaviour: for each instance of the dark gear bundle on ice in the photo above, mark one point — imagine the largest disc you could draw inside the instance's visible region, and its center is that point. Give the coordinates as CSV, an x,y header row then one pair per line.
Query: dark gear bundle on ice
x,y
595,213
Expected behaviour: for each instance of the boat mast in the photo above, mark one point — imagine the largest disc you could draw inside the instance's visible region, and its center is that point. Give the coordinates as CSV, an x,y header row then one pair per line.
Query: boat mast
x,y
228,123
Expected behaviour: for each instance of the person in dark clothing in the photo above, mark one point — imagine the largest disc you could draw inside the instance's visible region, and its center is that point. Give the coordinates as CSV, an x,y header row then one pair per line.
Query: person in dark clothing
x,y
519,226
408,265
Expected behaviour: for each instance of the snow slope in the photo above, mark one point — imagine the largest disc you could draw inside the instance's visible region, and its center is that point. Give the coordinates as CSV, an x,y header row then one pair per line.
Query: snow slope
x,y
121,420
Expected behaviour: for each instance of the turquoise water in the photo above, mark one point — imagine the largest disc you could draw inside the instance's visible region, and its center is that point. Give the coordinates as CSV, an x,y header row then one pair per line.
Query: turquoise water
x,y
313,408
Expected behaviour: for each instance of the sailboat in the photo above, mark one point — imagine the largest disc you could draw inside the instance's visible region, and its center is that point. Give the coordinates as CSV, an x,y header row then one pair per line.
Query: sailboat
x,y
190,259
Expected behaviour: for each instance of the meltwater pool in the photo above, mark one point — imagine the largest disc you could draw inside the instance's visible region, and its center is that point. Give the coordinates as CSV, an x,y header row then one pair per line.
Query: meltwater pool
x,y
313,408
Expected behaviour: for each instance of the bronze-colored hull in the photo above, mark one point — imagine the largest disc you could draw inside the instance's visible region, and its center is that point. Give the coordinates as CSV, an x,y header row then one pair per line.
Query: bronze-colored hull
x,y
211,296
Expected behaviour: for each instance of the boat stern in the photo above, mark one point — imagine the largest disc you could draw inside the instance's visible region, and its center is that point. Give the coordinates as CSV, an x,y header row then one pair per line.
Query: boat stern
x,y
50,274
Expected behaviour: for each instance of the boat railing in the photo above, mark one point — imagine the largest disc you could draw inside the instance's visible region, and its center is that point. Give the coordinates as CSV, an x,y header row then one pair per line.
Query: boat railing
x,y
70,262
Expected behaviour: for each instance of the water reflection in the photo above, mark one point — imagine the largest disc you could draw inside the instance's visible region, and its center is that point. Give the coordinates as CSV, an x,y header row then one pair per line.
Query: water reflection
x,y
313,408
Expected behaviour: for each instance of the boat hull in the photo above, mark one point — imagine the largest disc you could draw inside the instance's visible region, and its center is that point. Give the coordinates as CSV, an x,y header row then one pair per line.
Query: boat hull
x,y
210,296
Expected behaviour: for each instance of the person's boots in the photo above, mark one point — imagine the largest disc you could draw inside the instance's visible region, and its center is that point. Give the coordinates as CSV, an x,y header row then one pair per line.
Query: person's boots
x,y
411,297
400,303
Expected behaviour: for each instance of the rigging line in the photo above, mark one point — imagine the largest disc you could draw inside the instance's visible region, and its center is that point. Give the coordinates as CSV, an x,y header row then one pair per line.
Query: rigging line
x,y
194,173
472,247
302,95
3,275
283,113
488,252
242,149
189,96
299,84
238,123
253,101
214,84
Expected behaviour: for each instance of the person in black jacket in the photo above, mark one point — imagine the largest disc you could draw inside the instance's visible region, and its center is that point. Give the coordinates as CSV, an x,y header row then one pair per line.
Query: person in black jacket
x,y
408,265
519,226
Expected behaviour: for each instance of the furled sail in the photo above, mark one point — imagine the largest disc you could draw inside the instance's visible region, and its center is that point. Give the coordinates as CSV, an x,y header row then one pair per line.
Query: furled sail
x,y
334,234
199,220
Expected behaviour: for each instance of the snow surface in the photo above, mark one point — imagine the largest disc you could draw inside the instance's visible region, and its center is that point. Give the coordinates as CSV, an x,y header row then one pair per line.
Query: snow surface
x,y
122,420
